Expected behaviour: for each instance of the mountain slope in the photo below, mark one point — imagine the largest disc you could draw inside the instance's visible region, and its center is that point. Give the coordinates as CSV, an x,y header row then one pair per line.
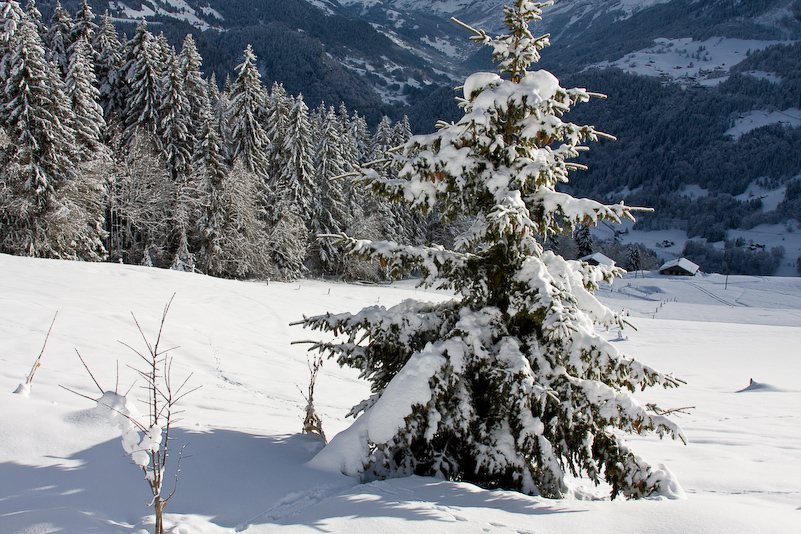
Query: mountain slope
x,y
399,57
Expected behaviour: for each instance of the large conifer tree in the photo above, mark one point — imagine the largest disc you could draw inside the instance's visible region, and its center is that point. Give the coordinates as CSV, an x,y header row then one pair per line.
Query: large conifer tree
x,y
109,69
58,38
83,95
290,205
508,385
48,209
143,70
330,212
10,16
83,26
174,120
249,141
195,88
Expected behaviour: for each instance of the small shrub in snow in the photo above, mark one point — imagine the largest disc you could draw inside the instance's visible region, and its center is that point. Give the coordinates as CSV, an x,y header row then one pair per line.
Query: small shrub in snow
x,y
146,438
509,385
24,388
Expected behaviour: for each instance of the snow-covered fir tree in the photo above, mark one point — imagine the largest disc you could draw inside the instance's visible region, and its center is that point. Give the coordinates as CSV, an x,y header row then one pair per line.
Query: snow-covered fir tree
x,y
509,385
361,136
382,140
80,88
330,212
10,16
295,178
350,154
58,38
83,26
583,239
35,16
249,141
174,115
165,50
275,119
289,210
221,116
397,222
48,209
195,87
143,70
109,69
401,132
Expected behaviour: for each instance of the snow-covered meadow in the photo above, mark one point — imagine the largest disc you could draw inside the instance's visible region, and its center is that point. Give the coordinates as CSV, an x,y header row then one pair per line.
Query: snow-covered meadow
x,y
63,469
687,61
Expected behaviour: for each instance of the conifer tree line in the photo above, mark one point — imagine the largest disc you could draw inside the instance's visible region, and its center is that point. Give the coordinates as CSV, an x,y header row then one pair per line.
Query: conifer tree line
x,y
120,150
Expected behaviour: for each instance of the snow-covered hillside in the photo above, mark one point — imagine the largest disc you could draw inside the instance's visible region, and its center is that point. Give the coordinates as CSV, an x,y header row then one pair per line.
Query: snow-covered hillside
x,y
686,62
63,469
578,9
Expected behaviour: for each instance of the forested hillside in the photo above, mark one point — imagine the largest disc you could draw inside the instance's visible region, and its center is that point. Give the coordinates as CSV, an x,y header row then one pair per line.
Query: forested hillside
x,y
680,147
329,56
669,137
122,151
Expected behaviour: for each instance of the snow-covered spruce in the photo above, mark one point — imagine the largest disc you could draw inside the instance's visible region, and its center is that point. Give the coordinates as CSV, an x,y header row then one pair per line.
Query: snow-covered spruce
x,y
47,207
510,385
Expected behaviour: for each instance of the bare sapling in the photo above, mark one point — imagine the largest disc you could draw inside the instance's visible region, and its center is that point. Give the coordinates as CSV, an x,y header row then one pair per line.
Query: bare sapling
x,y
25,389
147,439
313,423
152,451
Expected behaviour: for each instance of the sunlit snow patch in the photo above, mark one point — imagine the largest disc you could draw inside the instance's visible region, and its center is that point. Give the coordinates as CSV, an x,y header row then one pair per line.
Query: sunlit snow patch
x,y
745,122
689,62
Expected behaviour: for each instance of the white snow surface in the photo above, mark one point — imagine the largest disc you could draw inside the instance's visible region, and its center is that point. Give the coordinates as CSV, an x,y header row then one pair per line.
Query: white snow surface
x,y
770,198
184,12
688,62
245,466
745,122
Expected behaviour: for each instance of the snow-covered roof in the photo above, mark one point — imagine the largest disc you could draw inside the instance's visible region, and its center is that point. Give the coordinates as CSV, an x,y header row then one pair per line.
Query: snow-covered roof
x,y
682,263
598,258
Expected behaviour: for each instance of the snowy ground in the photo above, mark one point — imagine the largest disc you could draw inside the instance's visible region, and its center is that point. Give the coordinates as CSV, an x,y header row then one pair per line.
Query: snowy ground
x,y
752,120
62,468
686,61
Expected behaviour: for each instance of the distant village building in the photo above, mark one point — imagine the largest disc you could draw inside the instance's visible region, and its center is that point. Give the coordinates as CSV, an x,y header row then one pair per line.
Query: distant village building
x,y
598,259
679,267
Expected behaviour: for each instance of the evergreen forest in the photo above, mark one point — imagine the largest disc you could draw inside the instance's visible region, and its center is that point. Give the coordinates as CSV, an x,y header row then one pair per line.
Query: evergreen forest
x,y
121,150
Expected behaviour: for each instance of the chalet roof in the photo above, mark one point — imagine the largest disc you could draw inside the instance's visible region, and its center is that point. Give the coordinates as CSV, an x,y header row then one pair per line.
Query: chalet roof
x,y
598,258
681,263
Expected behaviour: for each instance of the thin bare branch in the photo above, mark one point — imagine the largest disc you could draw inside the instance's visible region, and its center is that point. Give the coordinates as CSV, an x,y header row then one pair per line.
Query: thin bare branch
x,y
177,470
38,363
90,372
79,394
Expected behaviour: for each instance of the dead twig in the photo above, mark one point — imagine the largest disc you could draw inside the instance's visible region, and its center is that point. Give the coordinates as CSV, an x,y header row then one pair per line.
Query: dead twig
x,y
38,362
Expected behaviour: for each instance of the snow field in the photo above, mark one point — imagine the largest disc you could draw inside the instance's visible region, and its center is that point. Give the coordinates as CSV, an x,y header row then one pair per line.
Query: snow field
x,y
63,469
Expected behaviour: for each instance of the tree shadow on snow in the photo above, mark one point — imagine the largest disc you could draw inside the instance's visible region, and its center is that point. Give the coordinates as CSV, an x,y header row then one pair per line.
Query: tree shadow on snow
x,y
232,478
227,476
409,499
